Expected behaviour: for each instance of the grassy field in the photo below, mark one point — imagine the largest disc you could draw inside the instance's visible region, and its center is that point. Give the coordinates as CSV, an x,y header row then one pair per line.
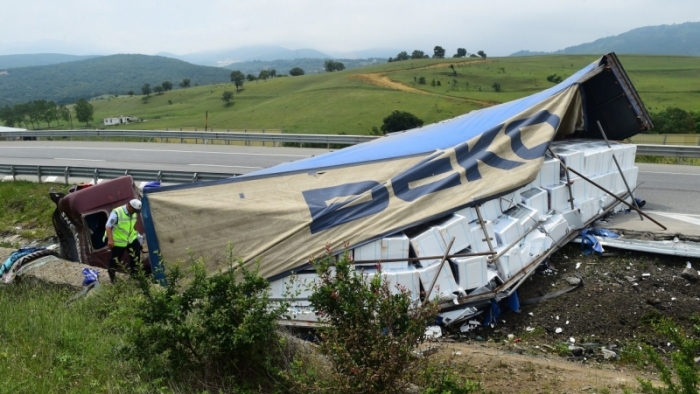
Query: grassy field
x,y
26,209
354,101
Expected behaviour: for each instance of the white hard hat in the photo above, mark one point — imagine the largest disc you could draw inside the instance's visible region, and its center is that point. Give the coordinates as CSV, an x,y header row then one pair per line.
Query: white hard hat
x,y
136,204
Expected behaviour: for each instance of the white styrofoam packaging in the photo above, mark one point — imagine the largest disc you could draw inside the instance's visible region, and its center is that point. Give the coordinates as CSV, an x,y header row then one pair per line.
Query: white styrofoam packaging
x,y
549,173
556,227
477,240
472,272
506,229
509,263
572,158
428,243
456,227
445,286
578,188
538,242
527,217
298,286
536,198
491,209
604,181
468,213
631,175
558,197
391,247
408,279
625,154
590,162
588,208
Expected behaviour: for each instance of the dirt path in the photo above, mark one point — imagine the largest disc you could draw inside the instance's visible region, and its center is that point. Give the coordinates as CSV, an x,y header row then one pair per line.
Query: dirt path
x,y
501,369
381,80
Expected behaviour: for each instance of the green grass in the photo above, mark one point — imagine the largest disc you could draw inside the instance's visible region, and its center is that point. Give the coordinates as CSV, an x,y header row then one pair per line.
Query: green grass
x,y
26,208
48,347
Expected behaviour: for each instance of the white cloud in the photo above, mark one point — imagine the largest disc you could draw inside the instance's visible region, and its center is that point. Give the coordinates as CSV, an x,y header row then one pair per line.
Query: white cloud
x,y
498,27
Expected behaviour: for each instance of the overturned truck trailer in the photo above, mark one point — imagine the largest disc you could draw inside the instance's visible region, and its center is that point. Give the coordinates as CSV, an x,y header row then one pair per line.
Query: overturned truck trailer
x,y
490,183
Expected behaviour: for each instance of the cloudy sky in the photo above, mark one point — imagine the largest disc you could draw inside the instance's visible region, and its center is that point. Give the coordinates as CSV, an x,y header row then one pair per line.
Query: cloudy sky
x,y
499,27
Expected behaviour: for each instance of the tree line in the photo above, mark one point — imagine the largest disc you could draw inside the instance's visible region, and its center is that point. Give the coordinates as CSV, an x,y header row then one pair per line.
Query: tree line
x,y
34,113
674,120
438,53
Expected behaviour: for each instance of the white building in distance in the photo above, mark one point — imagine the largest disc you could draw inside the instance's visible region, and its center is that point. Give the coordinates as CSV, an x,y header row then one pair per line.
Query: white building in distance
x,y
120,120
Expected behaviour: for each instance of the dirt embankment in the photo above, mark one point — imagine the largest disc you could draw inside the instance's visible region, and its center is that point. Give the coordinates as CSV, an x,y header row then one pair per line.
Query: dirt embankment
x,y
382,80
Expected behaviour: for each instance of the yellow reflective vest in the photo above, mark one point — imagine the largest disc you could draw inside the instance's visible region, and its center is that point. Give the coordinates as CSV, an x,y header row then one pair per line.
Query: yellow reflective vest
x,y
124,232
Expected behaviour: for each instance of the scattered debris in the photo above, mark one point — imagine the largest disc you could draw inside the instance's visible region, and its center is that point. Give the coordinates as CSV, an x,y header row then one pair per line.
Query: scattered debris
x,y
608,354
576,350
690,274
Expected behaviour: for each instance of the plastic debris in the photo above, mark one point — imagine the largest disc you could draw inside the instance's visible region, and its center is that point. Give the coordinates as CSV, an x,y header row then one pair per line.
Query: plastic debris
x,y
578,265
433,332
529,329
601,232
572,340
609,354
558,330
90,275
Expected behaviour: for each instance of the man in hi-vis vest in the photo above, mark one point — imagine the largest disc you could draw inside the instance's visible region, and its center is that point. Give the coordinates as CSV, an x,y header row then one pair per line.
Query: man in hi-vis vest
x,y
122,236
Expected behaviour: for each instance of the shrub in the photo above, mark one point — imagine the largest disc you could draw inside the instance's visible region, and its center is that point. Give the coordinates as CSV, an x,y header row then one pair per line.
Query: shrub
x,y
371,332
399,121
213,332
684,367
554,78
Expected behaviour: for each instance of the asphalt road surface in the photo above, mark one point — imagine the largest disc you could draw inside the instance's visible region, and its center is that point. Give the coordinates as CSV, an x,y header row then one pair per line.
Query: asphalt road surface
x,y
666,188
669,188
150,156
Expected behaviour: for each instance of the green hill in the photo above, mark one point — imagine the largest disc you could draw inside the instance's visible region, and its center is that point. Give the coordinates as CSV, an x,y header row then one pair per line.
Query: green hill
x,y
680,40
353,101
37,59
115,74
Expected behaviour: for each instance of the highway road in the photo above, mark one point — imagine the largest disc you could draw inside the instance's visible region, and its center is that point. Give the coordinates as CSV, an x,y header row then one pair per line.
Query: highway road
x,y
150,156
666,188
669,188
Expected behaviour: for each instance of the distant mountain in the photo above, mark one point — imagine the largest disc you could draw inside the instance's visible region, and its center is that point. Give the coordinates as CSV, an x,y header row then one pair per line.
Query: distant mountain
x,y
115,74
529,53
48,46
223,58
382,53
681,39
38,59
309,65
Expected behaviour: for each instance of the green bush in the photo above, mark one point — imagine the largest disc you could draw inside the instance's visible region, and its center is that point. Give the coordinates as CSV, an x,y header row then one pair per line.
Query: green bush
x,y
683,377
214,332
371,333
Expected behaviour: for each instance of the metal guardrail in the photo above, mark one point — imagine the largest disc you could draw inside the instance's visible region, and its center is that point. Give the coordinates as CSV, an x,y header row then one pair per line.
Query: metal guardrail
x,y
666,139
680,151
109,173
196,135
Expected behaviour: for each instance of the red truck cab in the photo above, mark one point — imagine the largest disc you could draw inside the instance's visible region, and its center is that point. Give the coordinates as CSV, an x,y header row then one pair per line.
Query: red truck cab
x,y
81,215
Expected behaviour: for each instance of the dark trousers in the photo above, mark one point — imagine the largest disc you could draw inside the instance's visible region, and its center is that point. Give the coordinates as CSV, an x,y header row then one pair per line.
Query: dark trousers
x,y
117,258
